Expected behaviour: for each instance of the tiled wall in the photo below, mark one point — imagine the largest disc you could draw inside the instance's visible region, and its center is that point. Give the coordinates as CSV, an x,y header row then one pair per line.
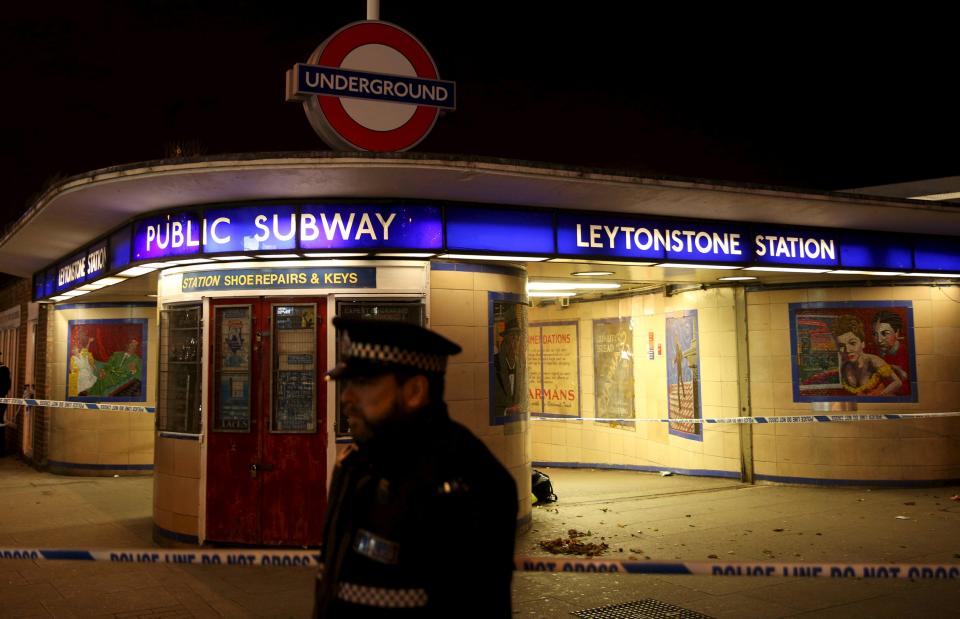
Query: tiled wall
x,y
650,446
459,302
86,442
888,451
176,486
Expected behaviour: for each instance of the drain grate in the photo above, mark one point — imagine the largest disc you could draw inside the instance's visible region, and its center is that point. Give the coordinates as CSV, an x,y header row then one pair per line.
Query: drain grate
x,y
641,609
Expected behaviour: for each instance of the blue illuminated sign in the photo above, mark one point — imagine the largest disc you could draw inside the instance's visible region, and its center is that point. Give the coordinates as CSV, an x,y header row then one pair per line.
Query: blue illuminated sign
x,y
166,236
876,252
795,247
937,254
647,239
371,227
331,226
495,230
96,260
120,248
254,228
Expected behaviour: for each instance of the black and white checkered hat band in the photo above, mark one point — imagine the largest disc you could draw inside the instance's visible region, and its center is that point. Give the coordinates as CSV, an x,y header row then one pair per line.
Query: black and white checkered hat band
x,y
382,597
391,354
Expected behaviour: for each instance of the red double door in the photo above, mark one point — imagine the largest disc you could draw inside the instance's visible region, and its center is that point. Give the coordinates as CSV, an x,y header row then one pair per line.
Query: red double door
x,y
266,455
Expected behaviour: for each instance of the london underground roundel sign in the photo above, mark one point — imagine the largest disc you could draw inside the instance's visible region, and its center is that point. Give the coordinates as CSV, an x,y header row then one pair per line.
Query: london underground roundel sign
x,y
371,86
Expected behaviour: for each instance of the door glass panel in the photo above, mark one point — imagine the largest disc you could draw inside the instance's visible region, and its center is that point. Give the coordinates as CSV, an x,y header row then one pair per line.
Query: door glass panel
x,y
294,368
232,369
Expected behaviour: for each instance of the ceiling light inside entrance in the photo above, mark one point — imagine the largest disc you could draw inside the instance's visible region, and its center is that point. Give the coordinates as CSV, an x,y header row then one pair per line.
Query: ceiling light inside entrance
x,y
572,285
499,258
542,294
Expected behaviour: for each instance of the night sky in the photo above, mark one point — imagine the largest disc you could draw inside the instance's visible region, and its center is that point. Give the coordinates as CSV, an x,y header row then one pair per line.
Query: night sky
x,y
808,100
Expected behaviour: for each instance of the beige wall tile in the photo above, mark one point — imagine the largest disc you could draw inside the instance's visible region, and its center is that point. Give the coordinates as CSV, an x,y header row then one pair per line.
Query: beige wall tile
x,y
779,317
711,394
728,368
946,342
460,383
708,320
712,444
163,518
758,317
761,396
924,340
186,458
141,457
922,314
481,308
452,280
760,345
465,337
81,447
186,495
452,307
730,395
185,524
499,283
163,491
945,313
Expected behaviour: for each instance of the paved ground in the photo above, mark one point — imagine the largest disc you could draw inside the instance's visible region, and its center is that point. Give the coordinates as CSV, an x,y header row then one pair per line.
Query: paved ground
x,y
643,514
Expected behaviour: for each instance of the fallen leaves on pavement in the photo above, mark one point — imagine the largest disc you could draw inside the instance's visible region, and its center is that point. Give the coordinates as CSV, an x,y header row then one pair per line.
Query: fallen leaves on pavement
x,y
571,545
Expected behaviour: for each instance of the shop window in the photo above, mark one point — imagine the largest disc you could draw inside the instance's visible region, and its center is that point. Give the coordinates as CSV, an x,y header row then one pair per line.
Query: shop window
x,y
178,398
411,311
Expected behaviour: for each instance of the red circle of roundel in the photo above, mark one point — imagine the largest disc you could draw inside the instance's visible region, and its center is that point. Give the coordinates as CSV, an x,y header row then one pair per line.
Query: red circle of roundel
x,y
373,32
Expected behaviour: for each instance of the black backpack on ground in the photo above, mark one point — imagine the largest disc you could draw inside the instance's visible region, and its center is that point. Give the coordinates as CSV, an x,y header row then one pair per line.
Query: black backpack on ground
x,y
542,488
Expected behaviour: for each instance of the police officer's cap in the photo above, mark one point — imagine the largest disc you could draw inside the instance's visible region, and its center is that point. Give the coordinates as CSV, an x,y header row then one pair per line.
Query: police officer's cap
x,y
374,347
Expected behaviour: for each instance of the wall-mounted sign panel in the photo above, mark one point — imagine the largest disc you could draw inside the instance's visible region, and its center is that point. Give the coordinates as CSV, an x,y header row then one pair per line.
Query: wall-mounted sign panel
x,y
876,252
351,227
798,247
279,279
650,239
252,228
82,267
937,254
72,272
498,230
461,228
165,236
120,248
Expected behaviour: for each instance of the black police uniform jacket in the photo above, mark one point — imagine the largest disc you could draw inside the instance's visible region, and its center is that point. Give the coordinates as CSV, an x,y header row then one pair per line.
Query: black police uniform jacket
x,y
421,521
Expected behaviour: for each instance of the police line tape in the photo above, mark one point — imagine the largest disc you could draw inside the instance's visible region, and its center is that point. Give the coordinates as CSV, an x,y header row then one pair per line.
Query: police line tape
x,y
912,571
305,558
716,420
81,405
749,420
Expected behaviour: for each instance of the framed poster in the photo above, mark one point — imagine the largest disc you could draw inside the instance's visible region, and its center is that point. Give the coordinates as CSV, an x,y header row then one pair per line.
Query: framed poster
x,y
233,403
613,369
235,338
107,360
854,351
683,374
553,364
509,398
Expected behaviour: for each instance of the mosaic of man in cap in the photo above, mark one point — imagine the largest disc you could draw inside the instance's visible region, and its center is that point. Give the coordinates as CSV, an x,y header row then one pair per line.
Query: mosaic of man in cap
x,y
416,493
510,383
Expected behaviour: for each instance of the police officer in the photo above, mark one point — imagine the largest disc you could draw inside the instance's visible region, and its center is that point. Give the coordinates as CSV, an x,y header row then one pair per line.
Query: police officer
x,y
421,518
